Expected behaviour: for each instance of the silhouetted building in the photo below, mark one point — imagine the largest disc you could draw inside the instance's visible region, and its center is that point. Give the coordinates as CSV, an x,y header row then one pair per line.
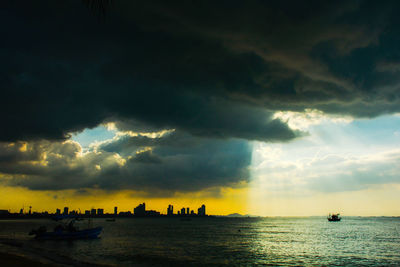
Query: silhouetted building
x,y
87,212
100,211
152,213
21,211
4,212
115,211
73,212
202,210
125,213
179,212
192,212
140,210
65,211
182,211
170,210
58,211
93,212
187,211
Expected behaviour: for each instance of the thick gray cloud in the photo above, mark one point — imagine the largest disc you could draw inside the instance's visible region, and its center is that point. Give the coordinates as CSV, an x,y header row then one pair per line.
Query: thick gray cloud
x,y
199,67
164,165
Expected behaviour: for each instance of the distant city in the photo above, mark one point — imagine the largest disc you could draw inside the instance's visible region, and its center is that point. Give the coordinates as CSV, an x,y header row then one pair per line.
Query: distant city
x,y
139,211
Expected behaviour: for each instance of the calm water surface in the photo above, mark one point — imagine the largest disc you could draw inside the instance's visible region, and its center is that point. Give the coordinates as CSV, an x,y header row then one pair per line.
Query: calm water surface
x,y
228,241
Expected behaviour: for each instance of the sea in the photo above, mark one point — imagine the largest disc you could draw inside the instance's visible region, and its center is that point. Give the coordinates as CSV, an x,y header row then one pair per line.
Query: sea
x,y
222,241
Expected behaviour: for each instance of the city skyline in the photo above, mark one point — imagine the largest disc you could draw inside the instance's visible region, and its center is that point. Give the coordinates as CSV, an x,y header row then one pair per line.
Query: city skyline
x,y
138,211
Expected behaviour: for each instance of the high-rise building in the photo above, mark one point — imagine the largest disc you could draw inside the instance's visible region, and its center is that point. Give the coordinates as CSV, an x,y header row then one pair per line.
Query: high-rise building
x,y
65,211
170,210
187,211
58,211
182,211
100,211
93,212
115,210
202,210
87,212
140,210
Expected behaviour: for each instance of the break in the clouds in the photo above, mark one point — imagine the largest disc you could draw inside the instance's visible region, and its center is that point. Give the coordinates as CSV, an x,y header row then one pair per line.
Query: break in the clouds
x,y
217,73
337,156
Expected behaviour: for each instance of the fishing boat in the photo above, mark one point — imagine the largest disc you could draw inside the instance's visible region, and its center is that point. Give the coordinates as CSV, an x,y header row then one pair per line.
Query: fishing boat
x,y
334,217
66,232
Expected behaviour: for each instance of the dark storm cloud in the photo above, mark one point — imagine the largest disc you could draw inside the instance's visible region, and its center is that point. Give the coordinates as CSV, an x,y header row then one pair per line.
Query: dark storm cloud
x,y
216,118
164,167
193,66
213,71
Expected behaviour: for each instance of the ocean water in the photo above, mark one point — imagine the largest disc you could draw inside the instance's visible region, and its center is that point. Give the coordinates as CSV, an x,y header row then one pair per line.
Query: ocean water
x,y
371,241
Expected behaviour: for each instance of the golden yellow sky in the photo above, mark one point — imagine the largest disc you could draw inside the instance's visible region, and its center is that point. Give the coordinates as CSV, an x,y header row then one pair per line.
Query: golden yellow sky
x,y
13,198
382,201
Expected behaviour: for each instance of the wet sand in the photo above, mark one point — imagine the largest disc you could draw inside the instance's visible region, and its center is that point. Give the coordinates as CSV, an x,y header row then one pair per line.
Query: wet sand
x,y
16,253
15,260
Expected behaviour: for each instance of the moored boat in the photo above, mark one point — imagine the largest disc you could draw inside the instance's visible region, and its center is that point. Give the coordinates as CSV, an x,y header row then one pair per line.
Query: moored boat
x,y
66,232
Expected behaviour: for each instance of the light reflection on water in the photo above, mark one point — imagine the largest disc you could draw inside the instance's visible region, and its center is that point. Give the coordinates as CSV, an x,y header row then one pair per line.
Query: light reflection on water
x,y
230,241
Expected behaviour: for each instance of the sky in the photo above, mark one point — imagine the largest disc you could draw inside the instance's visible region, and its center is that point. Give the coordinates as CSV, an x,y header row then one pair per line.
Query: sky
x,y
270,108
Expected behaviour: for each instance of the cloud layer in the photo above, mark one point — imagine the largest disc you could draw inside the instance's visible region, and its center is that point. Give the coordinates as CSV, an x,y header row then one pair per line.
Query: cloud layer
x,y
162,165
216,73
330,174
208,68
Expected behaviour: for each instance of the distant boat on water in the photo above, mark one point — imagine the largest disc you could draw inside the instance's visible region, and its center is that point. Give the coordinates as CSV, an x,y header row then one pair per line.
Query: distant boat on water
x,y
66,232
334,217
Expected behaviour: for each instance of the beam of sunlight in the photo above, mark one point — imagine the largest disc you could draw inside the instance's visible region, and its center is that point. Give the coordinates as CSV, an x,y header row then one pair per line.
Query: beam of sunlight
x,y
323,172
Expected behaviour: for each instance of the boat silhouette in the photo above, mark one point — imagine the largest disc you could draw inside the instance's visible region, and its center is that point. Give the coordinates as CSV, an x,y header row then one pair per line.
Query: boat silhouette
x,y
334,217
67,231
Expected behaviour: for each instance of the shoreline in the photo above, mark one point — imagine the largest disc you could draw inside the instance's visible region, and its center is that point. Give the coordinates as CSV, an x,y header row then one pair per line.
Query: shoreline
x,y
8,259
12,253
